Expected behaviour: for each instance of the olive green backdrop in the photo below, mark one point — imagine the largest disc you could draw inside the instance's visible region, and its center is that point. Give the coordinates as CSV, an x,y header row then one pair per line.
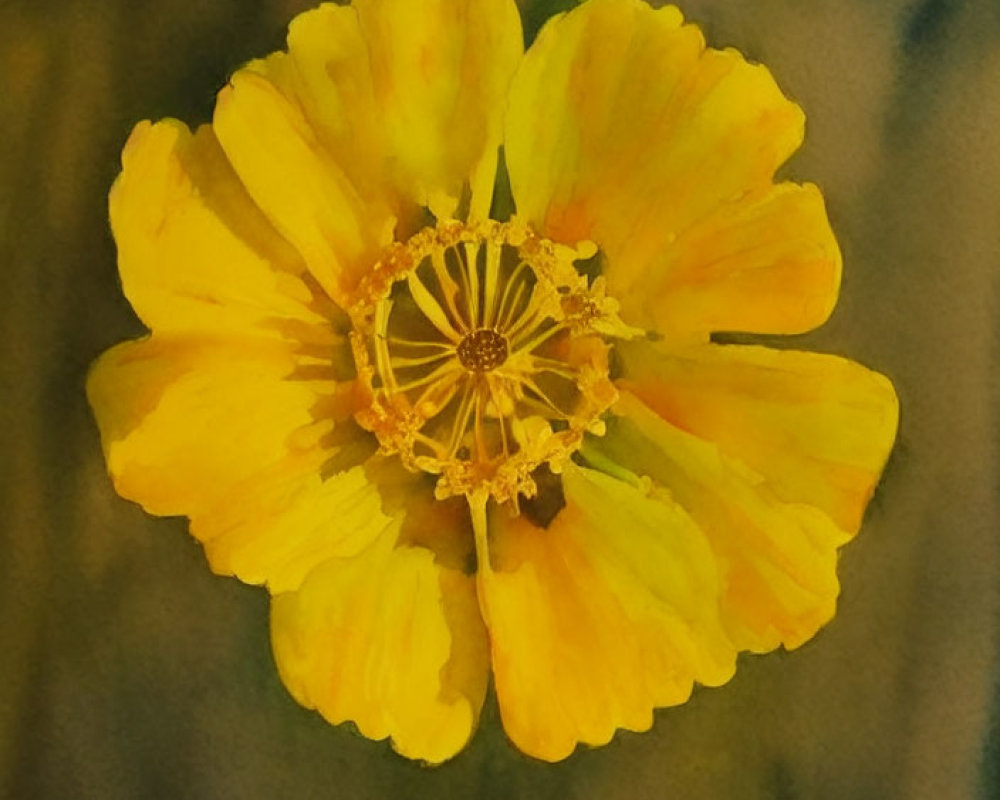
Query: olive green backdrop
x,y
127,670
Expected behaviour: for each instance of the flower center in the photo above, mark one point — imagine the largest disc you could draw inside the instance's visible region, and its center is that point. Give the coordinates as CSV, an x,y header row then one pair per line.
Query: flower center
x,y
482,350
481,355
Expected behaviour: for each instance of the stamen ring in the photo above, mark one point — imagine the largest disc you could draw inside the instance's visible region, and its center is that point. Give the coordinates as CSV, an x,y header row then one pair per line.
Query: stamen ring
x,y
481,356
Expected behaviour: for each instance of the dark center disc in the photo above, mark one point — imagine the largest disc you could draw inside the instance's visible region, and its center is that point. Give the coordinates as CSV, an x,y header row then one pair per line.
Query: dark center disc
x,y
482,350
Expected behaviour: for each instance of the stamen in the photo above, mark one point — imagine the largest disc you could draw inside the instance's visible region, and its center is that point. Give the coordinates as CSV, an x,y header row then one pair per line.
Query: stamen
x,y
395,340
446,329
555,367
461,423
528,319
382,357
451,290
478,427
443,371
547,411
511,313
432,310
530,384
427,441
492,277
501,422
518,270
470,272
398,362
436,396
540,339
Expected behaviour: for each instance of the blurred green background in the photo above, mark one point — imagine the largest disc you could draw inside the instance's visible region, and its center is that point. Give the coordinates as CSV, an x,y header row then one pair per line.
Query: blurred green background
x,y
127,670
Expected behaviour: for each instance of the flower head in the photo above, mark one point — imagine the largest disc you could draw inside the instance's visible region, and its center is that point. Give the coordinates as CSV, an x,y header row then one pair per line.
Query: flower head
x,y
450,444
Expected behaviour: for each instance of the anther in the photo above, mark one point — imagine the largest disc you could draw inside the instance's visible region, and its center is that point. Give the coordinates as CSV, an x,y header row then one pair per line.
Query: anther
x,y
483,350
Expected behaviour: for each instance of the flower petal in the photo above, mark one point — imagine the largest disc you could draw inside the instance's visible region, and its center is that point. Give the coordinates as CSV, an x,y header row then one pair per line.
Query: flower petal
x,y
275,527
817,428
193,251
624,129
299,187
327,73
375,109
608,612
778,560
233,436
390,639
176,423
767,262
441,71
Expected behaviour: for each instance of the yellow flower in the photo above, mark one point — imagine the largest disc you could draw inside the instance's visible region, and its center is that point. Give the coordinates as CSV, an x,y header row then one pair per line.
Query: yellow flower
x,y
450,444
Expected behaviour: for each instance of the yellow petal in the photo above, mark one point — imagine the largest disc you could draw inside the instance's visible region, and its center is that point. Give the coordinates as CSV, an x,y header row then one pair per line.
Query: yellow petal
x,y
778,560
767,263
390,639
298,185
624,129
329,497
275,527
193,250
375,109
609,612
441,71
818,428
183,418
327,72
233,435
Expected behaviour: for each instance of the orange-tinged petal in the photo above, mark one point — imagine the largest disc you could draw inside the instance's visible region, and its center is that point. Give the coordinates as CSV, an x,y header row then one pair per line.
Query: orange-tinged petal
x,y
778,560
193,251
441,70
624,129
767,262
390,639
817,428
609,612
